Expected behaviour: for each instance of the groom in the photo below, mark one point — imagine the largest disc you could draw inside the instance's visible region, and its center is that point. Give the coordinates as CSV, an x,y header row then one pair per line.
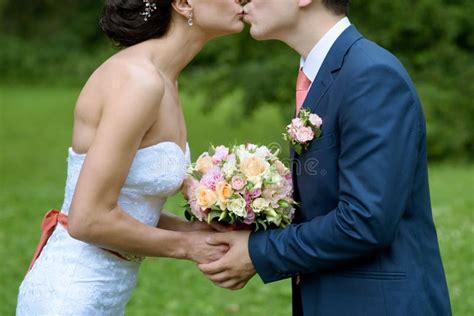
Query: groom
x,y
363,241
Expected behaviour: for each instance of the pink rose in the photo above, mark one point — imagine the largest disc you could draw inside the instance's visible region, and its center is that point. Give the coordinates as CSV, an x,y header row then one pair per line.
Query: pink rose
x,y
291,131
221,154
248,199
304,134
196,209
250,216
297,123
212,177
255,193
238,183
189,187
315,120
287,187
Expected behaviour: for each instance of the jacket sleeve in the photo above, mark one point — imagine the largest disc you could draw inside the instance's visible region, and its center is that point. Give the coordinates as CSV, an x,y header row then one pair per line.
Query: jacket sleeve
x,y
379,123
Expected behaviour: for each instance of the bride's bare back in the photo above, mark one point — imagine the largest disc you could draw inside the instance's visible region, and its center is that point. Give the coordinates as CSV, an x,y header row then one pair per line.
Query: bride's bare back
x,y
114,87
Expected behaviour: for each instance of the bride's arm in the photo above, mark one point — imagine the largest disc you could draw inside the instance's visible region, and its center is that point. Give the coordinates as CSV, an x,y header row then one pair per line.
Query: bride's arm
x,y
172,222
130,109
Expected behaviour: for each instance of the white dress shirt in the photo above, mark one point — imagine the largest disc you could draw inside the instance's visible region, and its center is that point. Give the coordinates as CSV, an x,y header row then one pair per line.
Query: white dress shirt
x,y
316,56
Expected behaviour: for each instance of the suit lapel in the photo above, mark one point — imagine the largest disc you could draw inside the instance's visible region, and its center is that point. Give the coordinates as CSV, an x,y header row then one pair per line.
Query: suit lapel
x,y
324,80
332,63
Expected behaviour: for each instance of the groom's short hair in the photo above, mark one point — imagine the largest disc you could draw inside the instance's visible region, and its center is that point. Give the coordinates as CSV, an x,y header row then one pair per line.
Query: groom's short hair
x,y
340,7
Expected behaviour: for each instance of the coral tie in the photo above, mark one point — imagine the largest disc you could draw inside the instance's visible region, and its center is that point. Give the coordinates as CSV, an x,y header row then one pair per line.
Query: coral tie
x,y
302,87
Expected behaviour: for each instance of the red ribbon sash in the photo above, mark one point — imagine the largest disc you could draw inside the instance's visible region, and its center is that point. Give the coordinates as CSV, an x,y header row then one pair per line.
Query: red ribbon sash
x,y
50,221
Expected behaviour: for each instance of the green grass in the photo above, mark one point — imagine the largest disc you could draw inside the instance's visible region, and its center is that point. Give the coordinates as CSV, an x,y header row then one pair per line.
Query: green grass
x,y
35,130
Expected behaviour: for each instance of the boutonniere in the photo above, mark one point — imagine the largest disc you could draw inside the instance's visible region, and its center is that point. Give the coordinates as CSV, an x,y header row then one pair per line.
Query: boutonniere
x,y
302,130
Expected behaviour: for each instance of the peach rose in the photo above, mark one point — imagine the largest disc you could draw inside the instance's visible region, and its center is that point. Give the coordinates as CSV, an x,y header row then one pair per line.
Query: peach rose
x,y
204,163
281,168
205,198
253,166
224,191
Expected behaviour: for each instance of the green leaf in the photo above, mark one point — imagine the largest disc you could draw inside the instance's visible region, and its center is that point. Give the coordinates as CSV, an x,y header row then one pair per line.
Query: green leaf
x,y
212,215
232,218
264,225
317,132
196,175
223,216
298,148
188,214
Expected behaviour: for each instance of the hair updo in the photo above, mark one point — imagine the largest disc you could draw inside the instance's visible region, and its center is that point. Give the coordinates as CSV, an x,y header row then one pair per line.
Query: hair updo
x,y
124,23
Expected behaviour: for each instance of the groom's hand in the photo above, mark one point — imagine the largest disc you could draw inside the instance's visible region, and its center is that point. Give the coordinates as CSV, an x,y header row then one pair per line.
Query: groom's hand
x,y
234,269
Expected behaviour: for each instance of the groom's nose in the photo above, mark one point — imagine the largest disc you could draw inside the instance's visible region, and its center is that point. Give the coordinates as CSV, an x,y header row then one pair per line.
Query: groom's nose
x,y
243,2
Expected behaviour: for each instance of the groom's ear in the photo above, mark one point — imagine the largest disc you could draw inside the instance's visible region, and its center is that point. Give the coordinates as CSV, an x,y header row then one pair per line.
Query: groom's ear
x,y
304,3
182,7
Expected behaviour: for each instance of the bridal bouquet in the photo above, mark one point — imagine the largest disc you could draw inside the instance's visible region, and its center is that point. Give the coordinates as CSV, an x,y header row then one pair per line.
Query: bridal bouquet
x,y
243,186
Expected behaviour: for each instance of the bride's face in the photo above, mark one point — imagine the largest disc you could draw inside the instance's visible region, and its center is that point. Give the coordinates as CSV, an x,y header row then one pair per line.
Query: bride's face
x,y
217,17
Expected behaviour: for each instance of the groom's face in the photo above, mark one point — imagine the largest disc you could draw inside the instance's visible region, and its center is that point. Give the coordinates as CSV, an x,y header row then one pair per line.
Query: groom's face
x,y
269,19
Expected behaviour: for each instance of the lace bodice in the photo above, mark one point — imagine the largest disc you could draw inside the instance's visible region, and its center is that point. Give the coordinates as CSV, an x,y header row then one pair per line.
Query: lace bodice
x,y
71,277
156,173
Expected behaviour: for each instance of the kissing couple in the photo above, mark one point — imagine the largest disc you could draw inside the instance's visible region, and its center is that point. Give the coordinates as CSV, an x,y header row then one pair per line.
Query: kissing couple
x,y
362,242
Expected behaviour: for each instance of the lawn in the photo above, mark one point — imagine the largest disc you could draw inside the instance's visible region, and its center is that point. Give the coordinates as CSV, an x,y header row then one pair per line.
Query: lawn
x,y
35,130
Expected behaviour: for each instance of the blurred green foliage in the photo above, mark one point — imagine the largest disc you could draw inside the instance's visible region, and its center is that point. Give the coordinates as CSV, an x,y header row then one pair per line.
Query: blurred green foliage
x,y
53,42
33,171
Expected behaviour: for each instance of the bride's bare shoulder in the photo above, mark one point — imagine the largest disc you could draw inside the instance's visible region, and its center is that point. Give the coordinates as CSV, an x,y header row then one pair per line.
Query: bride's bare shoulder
x,y
121,76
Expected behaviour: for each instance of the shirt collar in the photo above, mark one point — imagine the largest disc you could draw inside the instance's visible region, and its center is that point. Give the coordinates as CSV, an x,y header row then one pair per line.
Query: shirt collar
x,y
316,56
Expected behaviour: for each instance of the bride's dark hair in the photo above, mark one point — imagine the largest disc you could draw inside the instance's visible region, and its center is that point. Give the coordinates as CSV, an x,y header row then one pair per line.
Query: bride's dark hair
x,y
125,23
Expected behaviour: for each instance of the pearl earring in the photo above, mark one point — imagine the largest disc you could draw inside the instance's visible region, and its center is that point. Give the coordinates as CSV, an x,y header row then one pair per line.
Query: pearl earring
x,y
190,19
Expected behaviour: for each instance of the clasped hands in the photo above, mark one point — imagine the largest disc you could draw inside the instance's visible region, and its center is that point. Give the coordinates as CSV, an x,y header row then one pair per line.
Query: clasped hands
x,y
234,268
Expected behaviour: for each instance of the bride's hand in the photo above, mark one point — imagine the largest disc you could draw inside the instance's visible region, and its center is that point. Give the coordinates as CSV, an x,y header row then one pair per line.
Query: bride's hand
x,y
199,251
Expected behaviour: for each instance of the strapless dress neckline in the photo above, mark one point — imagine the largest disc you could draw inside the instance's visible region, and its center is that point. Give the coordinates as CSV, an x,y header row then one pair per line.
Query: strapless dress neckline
x,y
144,149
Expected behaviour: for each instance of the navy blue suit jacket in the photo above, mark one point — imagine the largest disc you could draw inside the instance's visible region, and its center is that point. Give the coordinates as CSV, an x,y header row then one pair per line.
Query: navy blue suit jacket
x,y
363,241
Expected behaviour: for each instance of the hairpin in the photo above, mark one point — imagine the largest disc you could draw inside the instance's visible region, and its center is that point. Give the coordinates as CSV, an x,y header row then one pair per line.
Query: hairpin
x,y
149,8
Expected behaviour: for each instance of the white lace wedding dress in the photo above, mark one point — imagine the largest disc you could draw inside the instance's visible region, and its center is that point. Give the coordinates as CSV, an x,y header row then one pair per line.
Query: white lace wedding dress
x,y
71,277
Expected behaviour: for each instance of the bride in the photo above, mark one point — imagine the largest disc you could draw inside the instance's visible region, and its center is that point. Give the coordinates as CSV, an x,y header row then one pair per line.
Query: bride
x,y
128,154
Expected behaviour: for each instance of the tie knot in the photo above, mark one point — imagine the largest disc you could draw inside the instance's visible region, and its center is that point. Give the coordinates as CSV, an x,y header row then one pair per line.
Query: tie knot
x,y
302,82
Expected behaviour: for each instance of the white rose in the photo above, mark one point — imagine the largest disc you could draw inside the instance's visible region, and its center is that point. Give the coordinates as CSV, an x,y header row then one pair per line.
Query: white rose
x,y
251,147
262,152
237,206
272,176
256,181
229,168
242,153
259,204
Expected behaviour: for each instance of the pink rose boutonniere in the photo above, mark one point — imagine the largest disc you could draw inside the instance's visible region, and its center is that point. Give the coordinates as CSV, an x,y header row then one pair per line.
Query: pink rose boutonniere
x,y
302,130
